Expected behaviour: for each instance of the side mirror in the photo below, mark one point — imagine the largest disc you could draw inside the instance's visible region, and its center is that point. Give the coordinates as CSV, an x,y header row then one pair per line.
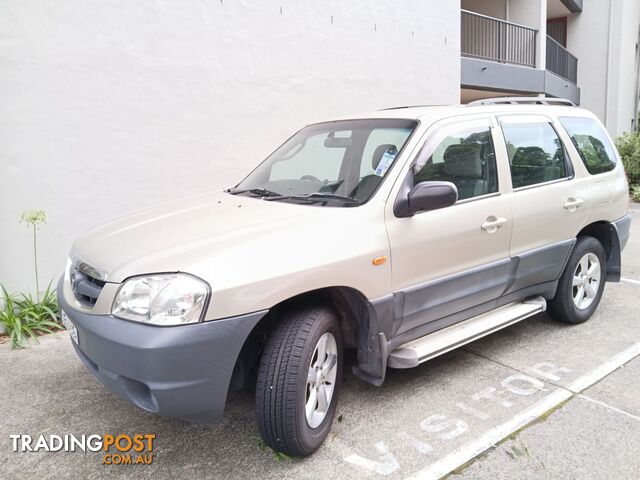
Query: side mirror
x,y
431,196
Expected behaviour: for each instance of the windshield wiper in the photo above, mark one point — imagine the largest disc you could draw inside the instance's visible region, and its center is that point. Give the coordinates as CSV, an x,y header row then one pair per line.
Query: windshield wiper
x,y
315,196
261,192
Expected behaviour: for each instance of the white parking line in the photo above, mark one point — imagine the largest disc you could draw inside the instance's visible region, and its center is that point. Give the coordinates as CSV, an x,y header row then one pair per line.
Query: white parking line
x,y
630,280
468,452
471,450
605,369
610,407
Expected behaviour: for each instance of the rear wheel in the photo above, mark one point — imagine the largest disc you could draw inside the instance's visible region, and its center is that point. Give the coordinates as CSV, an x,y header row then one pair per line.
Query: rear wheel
x,y
581,284
299,381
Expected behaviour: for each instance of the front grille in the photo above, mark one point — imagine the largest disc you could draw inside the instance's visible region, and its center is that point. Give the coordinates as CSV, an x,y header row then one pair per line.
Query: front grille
x,y
85,288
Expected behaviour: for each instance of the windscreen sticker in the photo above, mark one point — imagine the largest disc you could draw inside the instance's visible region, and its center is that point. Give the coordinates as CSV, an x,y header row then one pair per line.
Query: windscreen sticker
x,y
385,162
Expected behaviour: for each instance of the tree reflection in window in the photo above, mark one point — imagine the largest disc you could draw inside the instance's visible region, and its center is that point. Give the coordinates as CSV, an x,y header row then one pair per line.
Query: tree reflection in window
x,y
592,144
536,154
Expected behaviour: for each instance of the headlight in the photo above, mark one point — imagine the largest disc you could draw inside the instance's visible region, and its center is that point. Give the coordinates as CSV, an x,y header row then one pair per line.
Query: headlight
x,y
164,299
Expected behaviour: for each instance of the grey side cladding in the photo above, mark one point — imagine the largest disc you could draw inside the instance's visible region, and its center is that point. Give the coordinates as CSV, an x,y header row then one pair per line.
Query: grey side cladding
x,y
430,301
620,231
540,265
425,308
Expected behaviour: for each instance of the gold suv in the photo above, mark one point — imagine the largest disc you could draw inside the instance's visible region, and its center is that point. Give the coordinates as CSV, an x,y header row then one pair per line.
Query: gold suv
x,y
401,234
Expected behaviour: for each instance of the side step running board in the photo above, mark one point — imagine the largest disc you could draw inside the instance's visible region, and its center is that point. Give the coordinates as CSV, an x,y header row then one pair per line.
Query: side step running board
x,y
425,348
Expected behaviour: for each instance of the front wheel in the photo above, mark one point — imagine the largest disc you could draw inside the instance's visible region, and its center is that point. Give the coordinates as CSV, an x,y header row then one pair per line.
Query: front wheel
x,y
299,380
581,284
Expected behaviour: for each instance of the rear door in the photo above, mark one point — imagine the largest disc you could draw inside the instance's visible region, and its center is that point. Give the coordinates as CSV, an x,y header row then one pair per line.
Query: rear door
x,y
548,204
450,260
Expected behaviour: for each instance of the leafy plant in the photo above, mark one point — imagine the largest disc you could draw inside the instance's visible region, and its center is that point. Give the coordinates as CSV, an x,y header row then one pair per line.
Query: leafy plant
x,y
43,310
34,218
10,316
629,148
24,319
635,193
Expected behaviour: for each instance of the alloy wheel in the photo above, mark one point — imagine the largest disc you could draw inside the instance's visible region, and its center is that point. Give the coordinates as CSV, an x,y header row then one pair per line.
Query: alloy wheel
x,y
321,380
586,281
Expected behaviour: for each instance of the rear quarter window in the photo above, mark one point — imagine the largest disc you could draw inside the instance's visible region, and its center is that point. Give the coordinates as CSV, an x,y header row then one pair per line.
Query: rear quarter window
x,y
592,144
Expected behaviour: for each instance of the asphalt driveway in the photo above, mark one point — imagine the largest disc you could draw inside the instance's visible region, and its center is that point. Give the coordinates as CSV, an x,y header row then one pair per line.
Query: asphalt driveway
x,y
536,400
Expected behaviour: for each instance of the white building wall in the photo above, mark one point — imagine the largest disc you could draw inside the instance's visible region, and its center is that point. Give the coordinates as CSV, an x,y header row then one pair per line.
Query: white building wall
x,y
603,37
624,83
587,39
111,106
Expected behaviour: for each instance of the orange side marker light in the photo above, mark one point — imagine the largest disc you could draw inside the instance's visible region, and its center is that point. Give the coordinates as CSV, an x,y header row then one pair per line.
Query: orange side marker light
x,y
379,260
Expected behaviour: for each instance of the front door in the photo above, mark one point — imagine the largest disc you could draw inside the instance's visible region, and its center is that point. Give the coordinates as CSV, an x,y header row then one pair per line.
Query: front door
x,y
447,261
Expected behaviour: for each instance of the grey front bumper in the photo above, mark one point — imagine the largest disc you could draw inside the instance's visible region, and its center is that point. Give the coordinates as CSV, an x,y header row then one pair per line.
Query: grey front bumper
x,y
181,372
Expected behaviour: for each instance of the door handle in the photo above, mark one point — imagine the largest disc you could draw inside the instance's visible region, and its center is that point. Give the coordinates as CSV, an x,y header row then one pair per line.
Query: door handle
x,y
572,204
491,224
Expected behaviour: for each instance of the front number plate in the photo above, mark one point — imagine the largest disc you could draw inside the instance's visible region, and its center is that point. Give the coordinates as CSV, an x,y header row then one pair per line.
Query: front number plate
x,y
68,324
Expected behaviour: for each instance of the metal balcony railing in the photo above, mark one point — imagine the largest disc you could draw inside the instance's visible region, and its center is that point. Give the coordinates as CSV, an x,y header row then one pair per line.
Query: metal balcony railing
x,y
561,62
498,40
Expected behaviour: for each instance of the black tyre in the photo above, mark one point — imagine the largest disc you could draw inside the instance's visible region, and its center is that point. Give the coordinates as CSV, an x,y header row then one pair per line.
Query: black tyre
x,y
581,284
299,380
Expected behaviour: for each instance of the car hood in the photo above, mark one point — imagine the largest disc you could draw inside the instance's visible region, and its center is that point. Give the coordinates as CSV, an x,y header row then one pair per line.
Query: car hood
x,y
177,236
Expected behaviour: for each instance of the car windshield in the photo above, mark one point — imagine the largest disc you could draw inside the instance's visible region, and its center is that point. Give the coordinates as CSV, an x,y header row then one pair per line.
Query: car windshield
x,y
337,163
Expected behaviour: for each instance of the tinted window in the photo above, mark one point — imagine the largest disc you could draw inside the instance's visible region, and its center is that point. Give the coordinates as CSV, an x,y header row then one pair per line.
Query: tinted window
x,y
592,144
535,153
466,159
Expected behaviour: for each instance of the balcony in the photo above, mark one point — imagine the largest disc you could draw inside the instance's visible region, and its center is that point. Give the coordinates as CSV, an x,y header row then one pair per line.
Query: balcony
x,y
497,40
561,62
502,57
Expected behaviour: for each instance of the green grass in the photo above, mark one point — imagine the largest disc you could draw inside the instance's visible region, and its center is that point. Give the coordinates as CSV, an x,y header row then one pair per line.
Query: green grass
x,y
277,456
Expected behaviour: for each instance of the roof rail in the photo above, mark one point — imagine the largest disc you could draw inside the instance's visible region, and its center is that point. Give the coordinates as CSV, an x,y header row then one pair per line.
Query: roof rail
x,y
522,100
411,106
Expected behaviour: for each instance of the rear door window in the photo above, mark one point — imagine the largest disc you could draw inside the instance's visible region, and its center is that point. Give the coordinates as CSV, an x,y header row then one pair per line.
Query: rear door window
x,y
536,153
592,144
